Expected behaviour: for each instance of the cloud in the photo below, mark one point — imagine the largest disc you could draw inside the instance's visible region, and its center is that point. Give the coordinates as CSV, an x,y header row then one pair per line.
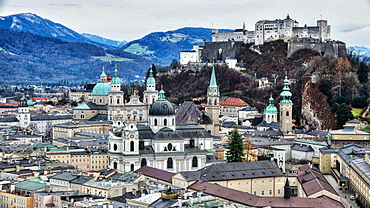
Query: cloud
x,y
353,28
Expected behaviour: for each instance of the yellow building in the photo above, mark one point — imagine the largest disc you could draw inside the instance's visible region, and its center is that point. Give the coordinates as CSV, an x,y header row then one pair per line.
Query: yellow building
x,y
348,135
99,160
14,200
350,166
80,158
261,178
60,155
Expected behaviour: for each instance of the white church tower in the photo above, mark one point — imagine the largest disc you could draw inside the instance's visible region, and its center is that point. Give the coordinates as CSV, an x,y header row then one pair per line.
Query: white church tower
x,y
150,94
23,114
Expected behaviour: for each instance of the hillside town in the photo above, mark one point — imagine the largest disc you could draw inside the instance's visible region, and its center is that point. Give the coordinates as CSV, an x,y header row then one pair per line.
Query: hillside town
x,y
104,146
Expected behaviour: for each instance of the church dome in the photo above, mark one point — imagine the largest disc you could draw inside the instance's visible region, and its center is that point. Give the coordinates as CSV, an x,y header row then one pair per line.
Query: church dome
x,y
101,88
271,107
162,107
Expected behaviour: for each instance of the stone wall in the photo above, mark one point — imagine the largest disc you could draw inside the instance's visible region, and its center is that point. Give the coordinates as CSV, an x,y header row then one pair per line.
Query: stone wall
x,y
334,48
220,50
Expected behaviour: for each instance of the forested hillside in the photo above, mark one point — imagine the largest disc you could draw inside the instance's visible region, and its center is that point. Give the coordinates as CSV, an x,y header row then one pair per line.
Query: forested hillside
x,y
326,86
28,58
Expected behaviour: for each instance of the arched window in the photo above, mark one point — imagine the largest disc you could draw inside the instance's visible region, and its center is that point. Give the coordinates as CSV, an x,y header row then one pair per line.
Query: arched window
x,y
287,113
155,122
100,100
169,163
165,122
117,101
215,101
114,165
132,167
143,162
115,147
153,100
209,102
173,121
132,147
194,162
169,147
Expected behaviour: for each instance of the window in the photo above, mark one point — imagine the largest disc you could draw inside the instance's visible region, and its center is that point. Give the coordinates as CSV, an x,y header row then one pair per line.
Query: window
x,y
169,163
194,162
132,146
132,167
165,122
278,191
155,122
270,192
192,143
115,147
143,162
169,147
255,192
262,193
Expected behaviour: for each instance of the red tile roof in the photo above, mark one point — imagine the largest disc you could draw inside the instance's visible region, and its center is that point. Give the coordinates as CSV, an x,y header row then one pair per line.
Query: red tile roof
x,y
313,181
9,104
156,173
233,102
246,199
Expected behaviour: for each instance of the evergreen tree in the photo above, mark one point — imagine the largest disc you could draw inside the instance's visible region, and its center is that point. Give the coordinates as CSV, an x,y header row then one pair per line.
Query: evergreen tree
x,y
344,114
363,72
235,147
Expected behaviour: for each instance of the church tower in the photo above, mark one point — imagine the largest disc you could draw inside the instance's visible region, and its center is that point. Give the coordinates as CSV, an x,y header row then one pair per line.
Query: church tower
x,y
286,106
23,114
213,97
150,94
271,111
115,100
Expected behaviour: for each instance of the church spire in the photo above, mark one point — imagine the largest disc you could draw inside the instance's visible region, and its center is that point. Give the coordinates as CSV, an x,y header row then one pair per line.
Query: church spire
x,y
115,79
161,94
286,94
213,88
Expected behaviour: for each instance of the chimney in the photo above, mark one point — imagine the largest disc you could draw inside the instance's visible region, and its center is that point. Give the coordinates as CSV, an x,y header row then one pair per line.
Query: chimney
x,y
287,189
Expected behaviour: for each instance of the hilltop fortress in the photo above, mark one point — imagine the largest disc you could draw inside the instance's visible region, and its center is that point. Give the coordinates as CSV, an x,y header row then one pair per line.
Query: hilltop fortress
x,y
226,44
279,29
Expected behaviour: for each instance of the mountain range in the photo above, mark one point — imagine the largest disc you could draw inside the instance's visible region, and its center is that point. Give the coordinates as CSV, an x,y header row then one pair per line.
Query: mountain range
x,y
55,51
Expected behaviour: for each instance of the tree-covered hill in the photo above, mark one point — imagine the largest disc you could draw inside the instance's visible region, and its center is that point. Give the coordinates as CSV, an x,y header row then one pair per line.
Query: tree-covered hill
x,y
28,58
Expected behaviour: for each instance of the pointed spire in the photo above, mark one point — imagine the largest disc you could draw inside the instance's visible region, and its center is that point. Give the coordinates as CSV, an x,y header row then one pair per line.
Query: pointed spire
x,y
150,79
271,100
103,73
287,16
243,25
161,94
213,82
116,79
286,94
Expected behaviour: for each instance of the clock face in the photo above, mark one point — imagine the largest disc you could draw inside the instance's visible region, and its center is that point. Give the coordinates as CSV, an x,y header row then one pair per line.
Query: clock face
x,y
132,136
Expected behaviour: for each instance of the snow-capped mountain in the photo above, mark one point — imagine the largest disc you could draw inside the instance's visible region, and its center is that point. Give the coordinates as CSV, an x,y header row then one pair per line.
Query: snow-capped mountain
x,y
28,22
361,51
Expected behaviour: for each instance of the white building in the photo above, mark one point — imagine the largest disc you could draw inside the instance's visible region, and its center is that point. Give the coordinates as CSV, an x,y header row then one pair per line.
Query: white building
x,y
191,56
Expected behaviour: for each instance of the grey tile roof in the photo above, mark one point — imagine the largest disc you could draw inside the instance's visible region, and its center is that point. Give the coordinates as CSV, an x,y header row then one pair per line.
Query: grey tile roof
x,y
234,171
302,147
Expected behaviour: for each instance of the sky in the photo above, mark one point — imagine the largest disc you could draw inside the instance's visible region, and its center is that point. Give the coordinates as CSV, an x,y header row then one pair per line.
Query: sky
x,y
133,19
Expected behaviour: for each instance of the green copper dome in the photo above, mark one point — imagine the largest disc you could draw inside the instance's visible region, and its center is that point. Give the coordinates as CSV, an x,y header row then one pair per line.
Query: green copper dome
x,y
286,94
101,88
162,107
271,108
150,79
116,79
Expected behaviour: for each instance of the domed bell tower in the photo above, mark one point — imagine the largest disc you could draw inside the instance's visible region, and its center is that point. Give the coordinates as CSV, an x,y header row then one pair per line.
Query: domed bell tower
x,y
286,108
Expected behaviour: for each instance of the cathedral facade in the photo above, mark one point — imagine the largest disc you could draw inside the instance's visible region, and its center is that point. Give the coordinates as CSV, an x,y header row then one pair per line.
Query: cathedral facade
x,y
160,143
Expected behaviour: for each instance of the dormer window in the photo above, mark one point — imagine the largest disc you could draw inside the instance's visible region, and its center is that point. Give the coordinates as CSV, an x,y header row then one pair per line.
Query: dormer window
x,y
169,146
